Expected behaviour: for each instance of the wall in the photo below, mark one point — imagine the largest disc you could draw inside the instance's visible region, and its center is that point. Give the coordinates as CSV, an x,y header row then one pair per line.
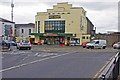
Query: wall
x,y
71,15
110,38
26,31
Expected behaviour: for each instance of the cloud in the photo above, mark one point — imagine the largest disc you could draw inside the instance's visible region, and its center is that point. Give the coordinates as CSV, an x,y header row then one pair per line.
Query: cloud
x,y
104,20
104,15
97,6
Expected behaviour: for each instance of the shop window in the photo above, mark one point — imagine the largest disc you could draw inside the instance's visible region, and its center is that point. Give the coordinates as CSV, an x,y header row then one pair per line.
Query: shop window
x,y
68,13
83,37
87,37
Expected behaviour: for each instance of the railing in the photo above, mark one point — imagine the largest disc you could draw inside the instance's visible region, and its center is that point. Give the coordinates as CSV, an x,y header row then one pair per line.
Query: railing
x,y
110,71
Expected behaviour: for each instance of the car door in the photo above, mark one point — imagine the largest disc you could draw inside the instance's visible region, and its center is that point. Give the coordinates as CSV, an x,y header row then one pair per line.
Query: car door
x,y
97,45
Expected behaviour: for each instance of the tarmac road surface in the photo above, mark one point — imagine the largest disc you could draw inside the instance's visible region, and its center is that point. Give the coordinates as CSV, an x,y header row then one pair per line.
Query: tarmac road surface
x,y
54,62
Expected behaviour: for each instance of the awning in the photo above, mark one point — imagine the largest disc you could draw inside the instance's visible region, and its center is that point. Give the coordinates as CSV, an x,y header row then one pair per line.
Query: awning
x,y
52,34
65,34
37,34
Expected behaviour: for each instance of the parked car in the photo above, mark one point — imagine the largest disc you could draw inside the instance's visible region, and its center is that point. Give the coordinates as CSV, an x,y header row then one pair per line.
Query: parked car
x,y
13,43
96,44
39,43
116,45
84,44
24,44
74,43
5,44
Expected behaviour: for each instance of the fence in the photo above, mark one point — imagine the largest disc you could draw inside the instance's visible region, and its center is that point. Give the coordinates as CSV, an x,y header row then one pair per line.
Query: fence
x,y
110,71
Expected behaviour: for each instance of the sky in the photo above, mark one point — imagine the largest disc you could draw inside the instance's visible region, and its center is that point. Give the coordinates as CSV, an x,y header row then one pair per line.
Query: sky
x,y
103,14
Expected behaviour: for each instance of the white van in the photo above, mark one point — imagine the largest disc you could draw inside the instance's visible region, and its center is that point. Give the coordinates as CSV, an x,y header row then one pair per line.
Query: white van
x,y
96,44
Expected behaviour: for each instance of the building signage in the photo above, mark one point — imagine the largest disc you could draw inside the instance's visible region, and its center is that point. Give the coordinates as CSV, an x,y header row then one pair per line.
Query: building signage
x,y
50,34
54,16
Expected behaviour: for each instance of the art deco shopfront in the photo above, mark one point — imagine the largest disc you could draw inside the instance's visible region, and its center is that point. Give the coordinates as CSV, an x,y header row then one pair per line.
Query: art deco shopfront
x,y
53,38
54,33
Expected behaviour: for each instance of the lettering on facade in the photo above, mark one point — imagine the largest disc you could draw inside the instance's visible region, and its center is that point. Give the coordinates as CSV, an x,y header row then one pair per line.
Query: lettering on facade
x,y
54,16
50,34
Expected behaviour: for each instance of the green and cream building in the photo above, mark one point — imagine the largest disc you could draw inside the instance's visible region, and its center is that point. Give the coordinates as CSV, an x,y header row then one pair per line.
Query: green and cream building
x,y
61,24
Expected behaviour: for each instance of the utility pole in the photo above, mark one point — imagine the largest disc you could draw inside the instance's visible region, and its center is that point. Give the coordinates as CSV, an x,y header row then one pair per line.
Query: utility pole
x,y
12,6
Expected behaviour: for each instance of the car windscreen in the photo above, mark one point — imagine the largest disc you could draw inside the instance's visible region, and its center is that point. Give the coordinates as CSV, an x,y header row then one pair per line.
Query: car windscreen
x,y
118,42
25,41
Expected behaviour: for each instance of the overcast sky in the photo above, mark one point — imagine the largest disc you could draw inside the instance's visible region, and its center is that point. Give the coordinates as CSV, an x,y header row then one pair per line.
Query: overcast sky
x,y
103,14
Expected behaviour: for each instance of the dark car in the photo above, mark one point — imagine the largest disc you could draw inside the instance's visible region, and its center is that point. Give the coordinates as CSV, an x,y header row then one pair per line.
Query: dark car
x,y
13,43
5,44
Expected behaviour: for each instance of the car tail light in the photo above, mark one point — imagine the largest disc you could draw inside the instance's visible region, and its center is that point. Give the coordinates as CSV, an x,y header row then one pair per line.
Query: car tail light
x,y
20,43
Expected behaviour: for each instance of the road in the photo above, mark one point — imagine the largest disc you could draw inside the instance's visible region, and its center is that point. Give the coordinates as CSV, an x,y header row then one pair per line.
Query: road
x,y
54,62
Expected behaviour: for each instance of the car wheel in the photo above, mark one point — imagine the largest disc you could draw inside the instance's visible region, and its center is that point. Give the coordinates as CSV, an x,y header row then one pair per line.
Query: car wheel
x,y
83,46
92,47
19,48
87,47
104,47
30,48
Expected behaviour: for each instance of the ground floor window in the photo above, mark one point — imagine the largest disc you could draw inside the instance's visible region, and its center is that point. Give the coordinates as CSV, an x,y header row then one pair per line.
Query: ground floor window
x,y
75,41
53,40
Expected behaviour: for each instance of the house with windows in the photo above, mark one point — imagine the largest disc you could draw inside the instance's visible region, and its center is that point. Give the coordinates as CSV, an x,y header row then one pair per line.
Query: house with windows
x,y
62,24
23,30
7,29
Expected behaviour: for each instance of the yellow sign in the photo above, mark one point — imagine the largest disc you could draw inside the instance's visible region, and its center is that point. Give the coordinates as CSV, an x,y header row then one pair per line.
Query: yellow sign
x,y
54,16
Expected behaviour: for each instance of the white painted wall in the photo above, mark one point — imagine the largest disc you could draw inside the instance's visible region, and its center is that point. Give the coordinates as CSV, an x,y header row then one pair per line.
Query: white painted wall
x,y
26,31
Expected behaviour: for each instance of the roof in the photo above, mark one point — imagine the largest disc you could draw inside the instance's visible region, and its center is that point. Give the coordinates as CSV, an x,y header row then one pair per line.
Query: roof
x,y
5,20
25,25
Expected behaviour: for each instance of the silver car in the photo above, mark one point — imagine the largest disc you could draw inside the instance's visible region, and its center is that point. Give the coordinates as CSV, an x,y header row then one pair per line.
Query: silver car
x,y
24,44
116,45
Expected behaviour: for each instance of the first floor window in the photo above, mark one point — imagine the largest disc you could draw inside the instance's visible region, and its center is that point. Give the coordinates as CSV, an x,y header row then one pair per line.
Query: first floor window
x,y
22,31
83,37
55,26
29,30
